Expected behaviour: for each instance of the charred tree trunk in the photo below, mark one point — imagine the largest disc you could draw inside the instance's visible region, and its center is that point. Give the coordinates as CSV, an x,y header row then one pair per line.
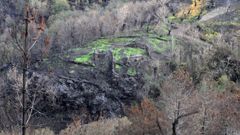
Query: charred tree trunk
x,y
174,127
24,70
204,122
175,122
178,117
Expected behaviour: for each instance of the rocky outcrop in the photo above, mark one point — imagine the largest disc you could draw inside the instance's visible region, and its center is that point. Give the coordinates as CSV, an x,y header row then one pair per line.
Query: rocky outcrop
x,y
98,92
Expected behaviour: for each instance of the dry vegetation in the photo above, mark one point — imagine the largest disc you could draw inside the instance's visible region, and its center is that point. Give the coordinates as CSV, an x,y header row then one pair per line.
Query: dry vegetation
x,y
146,118
182,105
186,110
81,27
101,127
193,10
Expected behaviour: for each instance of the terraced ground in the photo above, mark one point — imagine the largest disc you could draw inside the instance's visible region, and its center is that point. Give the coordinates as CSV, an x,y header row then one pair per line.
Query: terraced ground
x,y
132,47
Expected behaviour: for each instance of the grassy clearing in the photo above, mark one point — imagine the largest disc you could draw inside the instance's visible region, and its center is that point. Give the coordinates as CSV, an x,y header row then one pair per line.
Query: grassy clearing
x,y
103,45
100,45
158,43
119,53
129,52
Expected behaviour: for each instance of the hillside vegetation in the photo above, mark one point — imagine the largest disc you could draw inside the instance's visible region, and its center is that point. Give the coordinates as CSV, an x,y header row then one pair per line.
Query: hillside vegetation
x,y
120,67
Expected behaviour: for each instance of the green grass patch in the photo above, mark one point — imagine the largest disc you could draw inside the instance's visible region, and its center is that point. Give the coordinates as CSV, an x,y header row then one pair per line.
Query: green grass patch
x,y
165,38
101,45
117,67
104,44
158,45
133,51
119,53
154,41
84,59
172,18
131,71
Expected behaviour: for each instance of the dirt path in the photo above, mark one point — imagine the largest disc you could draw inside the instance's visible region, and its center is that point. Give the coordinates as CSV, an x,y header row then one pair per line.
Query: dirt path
x,y
219,11
216,12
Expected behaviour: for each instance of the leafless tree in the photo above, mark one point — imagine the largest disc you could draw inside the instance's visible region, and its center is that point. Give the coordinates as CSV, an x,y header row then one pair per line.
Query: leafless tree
x,y
30,36
179,98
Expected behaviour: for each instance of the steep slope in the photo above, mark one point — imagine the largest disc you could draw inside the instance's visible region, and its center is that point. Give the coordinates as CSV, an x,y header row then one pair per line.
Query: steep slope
x,y
103,60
